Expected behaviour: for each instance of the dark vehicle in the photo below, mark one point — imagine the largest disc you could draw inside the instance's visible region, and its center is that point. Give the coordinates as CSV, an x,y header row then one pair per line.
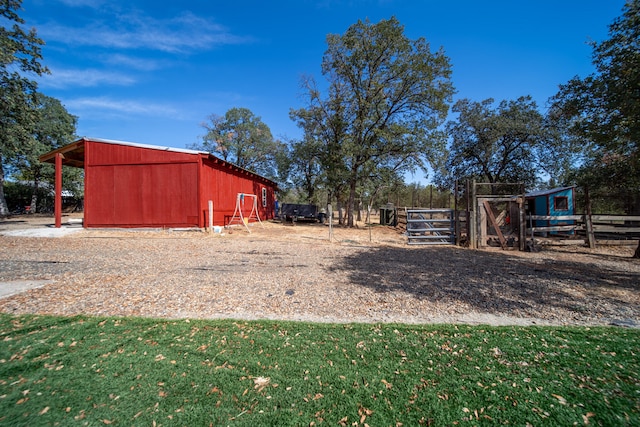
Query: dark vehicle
x,y
298,212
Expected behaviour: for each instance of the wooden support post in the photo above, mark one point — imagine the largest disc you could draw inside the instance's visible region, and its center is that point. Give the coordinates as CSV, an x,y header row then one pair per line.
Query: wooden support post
x,y
330,213
456,219
467,217
481,224
210,215
57,203
522,225
473,237
591,238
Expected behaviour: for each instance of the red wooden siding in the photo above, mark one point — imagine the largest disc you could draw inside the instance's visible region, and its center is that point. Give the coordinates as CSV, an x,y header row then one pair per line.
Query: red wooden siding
x,y
221,183
114,154
129,186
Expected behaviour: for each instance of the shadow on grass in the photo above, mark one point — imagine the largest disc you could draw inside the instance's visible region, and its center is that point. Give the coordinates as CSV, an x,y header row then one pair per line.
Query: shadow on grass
x,y
493,282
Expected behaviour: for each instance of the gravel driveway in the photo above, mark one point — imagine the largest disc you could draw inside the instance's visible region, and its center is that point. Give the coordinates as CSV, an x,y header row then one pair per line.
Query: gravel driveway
x,y
297,273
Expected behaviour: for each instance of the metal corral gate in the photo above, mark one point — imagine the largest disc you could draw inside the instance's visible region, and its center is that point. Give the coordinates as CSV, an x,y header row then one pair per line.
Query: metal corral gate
x,y
431,226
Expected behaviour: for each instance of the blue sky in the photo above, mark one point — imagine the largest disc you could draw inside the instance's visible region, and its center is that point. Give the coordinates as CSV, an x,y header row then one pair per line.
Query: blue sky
x,y
152,71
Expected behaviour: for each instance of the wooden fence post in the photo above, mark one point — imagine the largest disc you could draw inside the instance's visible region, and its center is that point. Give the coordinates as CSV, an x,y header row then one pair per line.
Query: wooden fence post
x,y
522,224
591,238
473,238
456,219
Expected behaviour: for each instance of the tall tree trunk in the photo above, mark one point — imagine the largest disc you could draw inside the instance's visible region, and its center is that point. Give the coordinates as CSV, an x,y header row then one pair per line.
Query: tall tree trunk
x,y
637,254
4,209
352,202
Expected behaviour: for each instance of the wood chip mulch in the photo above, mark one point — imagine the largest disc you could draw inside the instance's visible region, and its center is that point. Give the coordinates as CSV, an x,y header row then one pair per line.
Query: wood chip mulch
x,y
297,273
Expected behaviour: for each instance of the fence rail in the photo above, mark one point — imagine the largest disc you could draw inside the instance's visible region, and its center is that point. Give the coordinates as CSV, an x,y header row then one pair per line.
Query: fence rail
x,y
619,225
431,226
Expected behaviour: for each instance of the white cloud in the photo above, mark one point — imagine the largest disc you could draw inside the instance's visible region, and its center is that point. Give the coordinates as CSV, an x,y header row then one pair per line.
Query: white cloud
x,y
63,78
131,62
183,33
127,107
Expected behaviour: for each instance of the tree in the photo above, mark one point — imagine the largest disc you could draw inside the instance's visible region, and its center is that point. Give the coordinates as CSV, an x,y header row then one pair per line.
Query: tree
x,y
604,108
54,128
240,137
325,129
305,167
503,144
19,56
387,96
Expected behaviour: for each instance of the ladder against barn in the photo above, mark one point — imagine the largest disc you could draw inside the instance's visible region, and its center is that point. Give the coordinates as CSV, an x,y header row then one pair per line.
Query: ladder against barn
x,y
431,226
239,214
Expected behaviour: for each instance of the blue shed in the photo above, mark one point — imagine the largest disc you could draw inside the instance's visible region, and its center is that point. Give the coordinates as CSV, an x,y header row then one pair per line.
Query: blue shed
x,y
554,202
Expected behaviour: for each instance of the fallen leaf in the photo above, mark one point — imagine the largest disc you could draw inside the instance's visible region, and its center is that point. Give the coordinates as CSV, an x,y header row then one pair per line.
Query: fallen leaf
x,y
261,383
586,417
21,401
44,411
106,421
387,384
160,357
561,399
365,411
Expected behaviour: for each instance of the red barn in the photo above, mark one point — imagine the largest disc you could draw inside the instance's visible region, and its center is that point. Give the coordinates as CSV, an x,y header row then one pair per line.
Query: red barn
x,y
137,185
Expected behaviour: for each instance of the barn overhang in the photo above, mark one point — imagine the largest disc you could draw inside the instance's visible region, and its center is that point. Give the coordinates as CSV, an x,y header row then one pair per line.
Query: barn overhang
x,y
71,154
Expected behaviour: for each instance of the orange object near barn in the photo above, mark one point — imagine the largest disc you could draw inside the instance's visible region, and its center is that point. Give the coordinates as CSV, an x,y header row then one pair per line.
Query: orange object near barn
x,y
137,185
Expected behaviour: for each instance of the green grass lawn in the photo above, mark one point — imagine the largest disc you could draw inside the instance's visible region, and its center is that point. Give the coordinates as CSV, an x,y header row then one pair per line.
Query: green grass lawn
x,y
149,372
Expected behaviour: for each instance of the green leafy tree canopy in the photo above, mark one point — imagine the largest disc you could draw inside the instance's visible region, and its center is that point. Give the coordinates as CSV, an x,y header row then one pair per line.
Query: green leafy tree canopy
x,y
495,144
242,138
604,110
20,55
387,96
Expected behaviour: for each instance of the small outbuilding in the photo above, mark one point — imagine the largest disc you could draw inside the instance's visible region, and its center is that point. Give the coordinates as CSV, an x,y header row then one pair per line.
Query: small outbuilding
x,y
554,202
138,185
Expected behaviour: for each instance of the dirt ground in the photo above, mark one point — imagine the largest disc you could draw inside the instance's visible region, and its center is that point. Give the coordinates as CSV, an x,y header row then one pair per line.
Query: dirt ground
x,y
309,273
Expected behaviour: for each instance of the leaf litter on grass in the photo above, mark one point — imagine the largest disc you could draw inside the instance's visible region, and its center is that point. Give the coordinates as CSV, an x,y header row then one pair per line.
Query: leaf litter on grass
x,y
297,373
